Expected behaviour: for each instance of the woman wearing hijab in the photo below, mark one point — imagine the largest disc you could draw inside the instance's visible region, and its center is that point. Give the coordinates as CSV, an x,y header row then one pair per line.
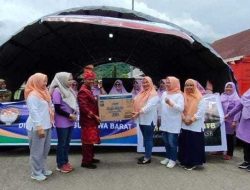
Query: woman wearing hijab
x,y
229,100
172,106
243,129
118,88
162,87
39,124
145,110
136,87
191,139
66,107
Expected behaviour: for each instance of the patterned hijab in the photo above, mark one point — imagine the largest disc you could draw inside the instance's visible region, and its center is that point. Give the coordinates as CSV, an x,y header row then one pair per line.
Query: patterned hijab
x,y
60,81
144,95
174,85
191,99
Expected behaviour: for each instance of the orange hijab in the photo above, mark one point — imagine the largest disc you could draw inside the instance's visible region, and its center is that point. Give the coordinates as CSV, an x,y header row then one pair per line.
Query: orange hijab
x,y
174,85
143,96
191,99
34,86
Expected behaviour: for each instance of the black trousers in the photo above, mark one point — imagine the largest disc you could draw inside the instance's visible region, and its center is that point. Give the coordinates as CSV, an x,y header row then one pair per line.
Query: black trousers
x,y
230,144
246,152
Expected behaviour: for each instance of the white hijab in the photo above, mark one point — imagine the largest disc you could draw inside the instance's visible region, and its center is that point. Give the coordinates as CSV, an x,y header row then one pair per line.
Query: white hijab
x,y
61,81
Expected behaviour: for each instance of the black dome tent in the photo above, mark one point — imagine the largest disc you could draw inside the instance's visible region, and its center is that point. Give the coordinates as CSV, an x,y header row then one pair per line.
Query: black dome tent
x,y
71,39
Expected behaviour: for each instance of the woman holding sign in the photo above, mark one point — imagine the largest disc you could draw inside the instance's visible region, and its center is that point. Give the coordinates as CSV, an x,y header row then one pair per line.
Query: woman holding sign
x,y
191,139
145,110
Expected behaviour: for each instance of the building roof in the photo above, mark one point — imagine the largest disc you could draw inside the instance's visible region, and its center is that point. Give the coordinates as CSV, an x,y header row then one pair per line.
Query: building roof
x,y
233,46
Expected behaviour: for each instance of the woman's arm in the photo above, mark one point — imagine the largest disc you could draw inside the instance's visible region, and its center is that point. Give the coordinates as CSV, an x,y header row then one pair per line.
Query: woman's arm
x,y
152,102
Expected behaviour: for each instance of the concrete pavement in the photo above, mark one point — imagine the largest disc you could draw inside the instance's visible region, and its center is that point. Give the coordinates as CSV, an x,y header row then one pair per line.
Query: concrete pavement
x,y
118,170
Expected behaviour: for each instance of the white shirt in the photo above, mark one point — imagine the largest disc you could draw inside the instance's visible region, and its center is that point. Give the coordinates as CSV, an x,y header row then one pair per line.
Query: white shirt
x,y
171,119
148,113
38,113
198,125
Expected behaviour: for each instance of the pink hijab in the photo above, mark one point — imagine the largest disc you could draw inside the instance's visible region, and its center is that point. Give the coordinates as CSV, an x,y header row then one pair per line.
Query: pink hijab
x,y
144,95
174,85
114,90
34,86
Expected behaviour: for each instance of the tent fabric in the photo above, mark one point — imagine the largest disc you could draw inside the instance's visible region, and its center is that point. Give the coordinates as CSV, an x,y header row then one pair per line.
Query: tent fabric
x,y
57,42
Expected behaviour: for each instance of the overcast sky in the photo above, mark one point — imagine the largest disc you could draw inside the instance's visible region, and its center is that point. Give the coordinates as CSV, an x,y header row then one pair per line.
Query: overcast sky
x,y
208,19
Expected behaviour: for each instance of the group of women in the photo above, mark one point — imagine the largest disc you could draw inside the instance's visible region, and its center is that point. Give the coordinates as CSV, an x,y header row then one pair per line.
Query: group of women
x,y
182,121
181,117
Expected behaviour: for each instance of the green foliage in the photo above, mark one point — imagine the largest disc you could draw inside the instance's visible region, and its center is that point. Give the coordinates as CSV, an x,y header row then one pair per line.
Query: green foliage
x,y
109,70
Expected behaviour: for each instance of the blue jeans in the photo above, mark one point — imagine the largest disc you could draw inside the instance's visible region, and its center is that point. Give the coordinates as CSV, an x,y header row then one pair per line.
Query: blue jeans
x,y
147,133
63,145
171,143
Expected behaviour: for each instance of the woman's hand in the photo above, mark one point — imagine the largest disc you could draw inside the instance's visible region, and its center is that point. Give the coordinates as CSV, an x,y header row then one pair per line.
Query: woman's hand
x,y
169,102
72,117
226,116
40,132
233,124
135,115
97,118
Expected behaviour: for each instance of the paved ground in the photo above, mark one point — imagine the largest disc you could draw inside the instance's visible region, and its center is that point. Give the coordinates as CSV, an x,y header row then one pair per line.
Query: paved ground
x,y
118,170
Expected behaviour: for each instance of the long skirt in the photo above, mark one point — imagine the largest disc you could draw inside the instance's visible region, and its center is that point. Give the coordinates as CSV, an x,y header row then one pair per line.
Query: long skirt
x,y
191,148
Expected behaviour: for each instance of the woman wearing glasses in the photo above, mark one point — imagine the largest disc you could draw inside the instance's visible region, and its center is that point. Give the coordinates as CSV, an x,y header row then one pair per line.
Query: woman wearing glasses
x,y
118,88
191,139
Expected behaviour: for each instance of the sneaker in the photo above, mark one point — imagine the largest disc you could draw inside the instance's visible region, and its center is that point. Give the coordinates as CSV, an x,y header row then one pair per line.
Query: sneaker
x,y
171,164
248,168
89,166
165,161
47,172
95,161
189,168
227,157
64,169
141,158
244,165
69,166
39,177
147,161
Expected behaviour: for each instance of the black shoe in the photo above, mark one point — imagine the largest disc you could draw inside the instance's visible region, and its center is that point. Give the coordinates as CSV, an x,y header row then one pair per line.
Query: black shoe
x,y
144,161
189,168
248,168
95,161
244,165
141,158
89,166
